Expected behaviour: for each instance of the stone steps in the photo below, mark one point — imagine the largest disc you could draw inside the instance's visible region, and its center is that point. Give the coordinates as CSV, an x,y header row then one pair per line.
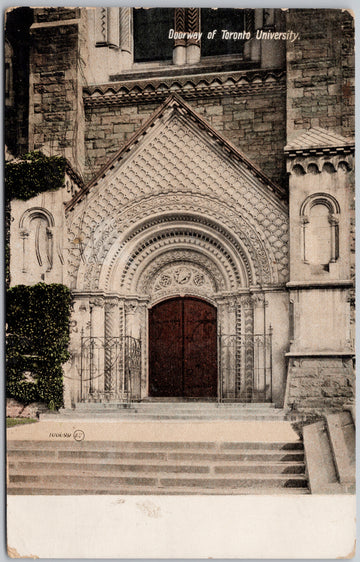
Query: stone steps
x,y
173,405
93,467
159,417
71,467
168,411
143,491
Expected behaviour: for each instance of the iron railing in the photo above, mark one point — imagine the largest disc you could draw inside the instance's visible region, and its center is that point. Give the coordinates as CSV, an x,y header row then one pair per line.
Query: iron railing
x,y
109,367
245,367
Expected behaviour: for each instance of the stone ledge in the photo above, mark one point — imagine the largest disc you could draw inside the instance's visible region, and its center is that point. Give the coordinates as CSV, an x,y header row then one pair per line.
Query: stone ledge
x,y
345,353
341,283
60,23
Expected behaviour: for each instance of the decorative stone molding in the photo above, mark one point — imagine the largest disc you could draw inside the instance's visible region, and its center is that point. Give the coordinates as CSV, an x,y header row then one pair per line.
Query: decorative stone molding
x,y
97,302
319,150
180,238
246,243
180,277
316,163
180,168
156,90
130,307
202,263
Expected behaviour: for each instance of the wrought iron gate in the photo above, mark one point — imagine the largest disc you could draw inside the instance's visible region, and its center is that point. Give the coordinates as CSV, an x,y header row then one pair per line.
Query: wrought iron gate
x,y
245,367
109,367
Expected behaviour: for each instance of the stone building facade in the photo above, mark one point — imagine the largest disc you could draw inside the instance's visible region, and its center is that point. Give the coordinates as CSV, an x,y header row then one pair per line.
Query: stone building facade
x,y
206,226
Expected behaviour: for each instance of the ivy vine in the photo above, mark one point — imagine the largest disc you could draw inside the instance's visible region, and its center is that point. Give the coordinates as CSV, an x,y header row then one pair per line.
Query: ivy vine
x,y
38,319
34,174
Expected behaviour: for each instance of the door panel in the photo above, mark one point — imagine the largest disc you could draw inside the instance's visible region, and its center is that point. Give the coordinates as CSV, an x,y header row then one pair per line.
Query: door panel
x,y
200,365
166,353
183,349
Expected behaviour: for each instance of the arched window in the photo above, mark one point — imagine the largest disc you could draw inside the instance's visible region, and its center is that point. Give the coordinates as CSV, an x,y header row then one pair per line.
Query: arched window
x,y
320,229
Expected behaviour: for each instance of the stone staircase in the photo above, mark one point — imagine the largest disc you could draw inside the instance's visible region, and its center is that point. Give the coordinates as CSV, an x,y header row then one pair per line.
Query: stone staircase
x,y
330,453
162,467
174,411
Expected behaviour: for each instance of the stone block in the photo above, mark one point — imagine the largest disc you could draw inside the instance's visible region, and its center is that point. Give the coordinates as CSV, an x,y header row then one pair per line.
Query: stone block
x,y
214,110
244,115
262,126
124,128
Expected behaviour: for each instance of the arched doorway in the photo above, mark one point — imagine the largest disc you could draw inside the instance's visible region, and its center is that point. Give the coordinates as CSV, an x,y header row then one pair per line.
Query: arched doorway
x,y
183,349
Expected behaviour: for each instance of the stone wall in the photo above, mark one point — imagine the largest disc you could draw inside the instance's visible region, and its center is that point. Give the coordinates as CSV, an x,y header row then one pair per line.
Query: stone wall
x,y
321,86
318,384
320,72
17,25
56,111
254,121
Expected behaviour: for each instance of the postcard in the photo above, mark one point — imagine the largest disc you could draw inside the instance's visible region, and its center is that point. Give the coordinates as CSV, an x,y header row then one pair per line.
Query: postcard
x,y
180,282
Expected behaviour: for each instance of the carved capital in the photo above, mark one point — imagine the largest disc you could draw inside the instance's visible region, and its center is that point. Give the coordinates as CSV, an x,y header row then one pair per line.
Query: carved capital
x,y
97,302
111,303
131,307
247,301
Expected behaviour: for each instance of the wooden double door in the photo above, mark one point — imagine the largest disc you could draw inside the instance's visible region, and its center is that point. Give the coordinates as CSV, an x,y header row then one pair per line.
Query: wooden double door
x,y
183,349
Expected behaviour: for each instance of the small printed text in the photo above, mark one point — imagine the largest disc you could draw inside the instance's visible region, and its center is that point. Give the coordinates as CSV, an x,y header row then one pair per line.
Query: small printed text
x,y
227,35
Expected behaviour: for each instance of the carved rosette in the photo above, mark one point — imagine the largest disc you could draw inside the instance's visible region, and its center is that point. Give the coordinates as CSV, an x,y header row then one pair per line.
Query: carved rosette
x,y
180,278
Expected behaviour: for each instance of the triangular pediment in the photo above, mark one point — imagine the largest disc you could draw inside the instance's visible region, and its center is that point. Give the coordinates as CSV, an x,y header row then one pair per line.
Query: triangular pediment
x,y
317,137
176,131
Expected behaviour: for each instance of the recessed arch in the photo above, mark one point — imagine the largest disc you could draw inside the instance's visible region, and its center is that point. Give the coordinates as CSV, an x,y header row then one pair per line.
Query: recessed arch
x,y
36,213
320,229
142,246
320,198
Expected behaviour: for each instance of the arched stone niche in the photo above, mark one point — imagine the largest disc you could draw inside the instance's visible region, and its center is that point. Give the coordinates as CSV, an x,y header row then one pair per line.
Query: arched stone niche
x,y
320,220
36,231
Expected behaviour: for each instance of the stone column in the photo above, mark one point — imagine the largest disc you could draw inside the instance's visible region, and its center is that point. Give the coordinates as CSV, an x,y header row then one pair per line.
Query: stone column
x,y
179,51
132,330
112,347
97,322
49,248
24,235
248,348
113,28
143,374
228,355
193,52
239,358
126,36
260,358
